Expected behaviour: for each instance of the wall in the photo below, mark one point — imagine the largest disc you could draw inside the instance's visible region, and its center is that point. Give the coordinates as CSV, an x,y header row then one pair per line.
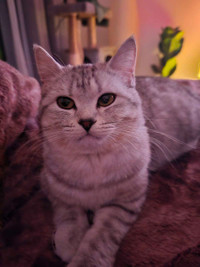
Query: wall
x,y
155,14
145,19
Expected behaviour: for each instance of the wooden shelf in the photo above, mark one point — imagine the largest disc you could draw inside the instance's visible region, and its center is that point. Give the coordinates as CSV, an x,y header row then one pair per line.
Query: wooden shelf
x,y
83,10
75,12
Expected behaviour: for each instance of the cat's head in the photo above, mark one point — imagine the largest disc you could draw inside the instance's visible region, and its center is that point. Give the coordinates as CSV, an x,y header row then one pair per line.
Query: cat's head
x,y
89,108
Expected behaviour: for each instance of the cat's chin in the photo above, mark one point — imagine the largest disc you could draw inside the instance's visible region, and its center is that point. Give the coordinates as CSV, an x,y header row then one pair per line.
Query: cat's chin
x,y
89,138
90,142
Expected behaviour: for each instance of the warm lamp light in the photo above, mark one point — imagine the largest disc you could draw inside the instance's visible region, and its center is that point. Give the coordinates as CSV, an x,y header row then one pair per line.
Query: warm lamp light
x,y
198,74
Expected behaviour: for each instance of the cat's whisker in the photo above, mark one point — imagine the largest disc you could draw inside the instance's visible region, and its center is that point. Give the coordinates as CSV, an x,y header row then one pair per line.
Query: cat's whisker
x,y
109,122
150,120
107,127
158,144
155,159
162,144
170,137
118,144
34,144
28,144
67,125
115,135
57,125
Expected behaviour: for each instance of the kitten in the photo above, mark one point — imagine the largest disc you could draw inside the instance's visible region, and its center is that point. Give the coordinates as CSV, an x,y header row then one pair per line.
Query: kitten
x,y
95,143
96,154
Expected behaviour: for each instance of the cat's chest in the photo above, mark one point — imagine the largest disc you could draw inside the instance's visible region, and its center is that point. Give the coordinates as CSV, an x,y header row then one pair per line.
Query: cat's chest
x,y
88,181
90,196
91,170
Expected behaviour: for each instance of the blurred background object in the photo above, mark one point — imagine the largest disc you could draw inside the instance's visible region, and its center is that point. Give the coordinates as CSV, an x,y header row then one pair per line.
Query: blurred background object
x,y
170,45
24,22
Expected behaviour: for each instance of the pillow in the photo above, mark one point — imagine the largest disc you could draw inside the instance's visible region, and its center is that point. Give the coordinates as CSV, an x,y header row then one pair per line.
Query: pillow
x,y
19,101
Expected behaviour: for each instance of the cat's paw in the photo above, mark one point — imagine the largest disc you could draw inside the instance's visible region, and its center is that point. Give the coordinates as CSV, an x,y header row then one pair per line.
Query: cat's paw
x,y
80,264
71,226
86,260
65,246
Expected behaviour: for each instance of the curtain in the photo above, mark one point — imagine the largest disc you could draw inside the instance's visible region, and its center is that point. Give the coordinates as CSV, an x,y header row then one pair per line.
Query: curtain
x,y
23,23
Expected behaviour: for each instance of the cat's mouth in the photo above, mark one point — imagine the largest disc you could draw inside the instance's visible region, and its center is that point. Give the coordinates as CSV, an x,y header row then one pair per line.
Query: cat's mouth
x,y
89,136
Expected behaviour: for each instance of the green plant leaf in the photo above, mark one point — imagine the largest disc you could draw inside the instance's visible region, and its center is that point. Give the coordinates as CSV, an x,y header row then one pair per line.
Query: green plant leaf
x,y
164,45
176,43
171,42
179,47
169,67
167,32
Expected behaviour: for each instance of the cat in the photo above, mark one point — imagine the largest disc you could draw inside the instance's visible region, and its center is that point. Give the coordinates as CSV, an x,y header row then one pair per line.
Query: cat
x,y
83,106
96,153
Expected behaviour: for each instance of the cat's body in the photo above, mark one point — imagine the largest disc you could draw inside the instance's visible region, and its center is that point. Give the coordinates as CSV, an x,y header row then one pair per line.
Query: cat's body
x,y
172,113
97,150
96,154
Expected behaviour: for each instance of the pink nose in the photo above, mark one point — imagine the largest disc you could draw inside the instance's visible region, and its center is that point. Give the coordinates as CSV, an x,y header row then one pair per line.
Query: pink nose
x,y
87,124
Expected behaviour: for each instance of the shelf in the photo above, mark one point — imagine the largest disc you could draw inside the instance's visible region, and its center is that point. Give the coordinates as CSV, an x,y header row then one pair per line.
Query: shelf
x,y
83,10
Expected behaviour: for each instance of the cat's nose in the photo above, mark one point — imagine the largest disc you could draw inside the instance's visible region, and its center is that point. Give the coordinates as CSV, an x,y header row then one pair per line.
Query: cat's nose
x,y
86,124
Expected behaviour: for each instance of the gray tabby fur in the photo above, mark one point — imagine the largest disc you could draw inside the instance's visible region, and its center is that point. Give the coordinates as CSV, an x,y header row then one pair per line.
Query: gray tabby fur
x,y
172,113
105,171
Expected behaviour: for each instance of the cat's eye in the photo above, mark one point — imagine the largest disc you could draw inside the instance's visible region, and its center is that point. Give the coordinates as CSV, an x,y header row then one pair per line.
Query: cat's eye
x,y
106,100
65,102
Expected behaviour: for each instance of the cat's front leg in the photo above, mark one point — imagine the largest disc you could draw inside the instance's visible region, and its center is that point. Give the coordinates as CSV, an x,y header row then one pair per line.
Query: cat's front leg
x,y
101,242
71,224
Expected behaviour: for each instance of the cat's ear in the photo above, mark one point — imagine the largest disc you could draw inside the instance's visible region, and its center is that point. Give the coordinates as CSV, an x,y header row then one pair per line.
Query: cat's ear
x,y
46,65
125,58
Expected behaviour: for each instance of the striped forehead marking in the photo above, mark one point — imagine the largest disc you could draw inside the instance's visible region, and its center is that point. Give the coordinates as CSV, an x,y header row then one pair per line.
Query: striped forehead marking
x,y
81,78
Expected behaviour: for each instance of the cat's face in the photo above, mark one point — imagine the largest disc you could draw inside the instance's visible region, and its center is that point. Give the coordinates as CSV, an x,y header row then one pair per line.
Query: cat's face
x,y
89,108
